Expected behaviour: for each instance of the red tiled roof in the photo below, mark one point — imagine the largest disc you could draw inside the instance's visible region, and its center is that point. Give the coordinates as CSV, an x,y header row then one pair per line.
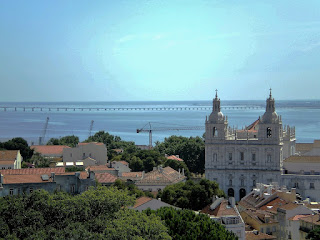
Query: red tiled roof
x,y
7,162
28,178
105,178
8,155
141,200
124,163
297,217
273,205
83,174
86,143
221,210
132,174
26,171
165,175
49,149
289,206
173,157
99,168
251,127
260,236
314,219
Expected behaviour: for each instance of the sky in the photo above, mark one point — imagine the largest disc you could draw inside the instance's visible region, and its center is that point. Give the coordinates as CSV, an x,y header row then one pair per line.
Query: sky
x,y
157,50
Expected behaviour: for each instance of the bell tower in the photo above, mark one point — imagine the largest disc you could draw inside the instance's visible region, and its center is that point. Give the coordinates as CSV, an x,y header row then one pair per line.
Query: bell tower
x,y
270,126
216,125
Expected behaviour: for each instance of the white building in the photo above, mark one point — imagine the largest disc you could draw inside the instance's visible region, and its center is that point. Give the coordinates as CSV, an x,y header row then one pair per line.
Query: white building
x,y
238,159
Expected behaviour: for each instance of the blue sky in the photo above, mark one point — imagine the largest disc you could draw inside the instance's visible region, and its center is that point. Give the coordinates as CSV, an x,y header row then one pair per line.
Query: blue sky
x,y
129,50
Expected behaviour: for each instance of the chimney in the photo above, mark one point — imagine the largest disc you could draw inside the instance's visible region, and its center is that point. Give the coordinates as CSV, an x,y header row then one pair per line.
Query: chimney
x,y
177,156
182,171
232,201
143,172
52,176
166,155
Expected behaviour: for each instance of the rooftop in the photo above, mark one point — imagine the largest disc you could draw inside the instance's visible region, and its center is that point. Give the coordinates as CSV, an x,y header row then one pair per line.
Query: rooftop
x,y
95,143
175,157
161,175
141,200
258,236
49,149
8,155
105,178
303,159
26,171
223,209
28,178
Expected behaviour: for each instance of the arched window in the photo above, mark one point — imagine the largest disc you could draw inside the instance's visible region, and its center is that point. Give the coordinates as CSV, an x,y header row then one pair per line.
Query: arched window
x,y
269,132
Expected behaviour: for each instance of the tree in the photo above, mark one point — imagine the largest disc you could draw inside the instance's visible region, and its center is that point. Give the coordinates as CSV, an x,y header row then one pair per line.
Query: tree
x,y
39,161
185,224
191,150
70,141
131,224
176,165
19,144
314,234
190,195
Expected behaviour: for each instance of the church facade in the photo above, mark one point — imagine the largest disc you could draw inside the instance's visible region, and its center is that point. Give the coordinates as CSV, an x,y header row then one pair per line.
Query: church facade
x,y
238,159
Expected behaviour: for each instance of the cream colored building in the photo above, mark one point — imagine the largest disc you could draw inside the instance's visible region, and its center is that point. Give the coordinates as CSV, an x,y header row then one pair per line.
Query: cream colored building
x,y
10,159
238,159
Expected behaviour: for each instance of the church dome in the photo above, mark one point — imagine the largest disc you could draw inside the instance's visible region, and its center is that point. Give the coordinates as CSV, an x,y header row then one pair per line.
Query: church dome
x,y
216,117
270,117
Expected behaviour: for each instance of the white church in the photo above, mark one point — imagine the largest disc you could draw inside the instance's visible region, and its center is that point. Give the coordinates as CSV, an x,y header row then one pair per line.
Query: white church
x,y
238,159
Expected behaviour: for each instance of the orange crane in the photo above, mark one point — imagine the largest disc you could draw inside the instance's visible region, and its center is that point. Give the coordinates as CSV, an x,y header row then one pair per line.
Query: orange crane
x,y
148,128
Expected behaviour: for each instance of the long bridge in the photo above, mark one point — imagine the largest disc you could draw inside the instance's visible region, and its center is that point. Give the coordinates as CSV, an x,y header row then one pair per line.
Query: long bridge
x,y
195,108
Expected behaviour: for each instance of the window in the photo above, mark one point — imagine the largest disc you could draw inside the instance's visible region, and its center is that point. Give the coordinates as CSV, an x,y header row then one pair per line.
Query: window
x,y
273,228
296,185
215,157
3,168
253,157
254,183
230,156
89,154
70,154
241,156
311,185
269,158
261,230
215,132
269,132
73,188
9,167
11,191
83,155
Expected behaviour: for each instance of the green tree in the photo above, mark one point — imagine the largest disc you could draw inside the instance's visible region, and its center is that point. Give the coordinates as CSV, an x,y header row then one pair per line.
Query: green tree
x,y
191,150
185,224
190,195
39,161
314,234
131,224
176,165
70,141
19,144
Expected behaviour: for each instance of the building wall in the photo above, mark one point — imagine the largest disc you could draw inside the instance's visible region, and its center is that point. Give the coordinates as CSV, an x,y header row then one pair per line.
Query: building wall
x,y
308,186
17,189
97,152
